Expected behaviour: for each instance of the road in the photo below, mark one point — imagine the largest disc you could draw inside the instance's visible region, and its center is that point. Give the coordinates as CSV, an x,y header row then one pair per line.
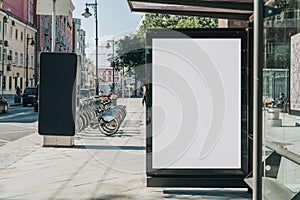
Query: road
x,y
18,122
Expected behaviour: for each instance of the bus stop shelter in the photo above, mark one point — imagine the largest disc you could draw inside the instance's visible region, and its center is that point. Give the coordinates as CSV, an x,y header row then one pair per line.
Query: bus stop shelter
x,y
248,10
227,9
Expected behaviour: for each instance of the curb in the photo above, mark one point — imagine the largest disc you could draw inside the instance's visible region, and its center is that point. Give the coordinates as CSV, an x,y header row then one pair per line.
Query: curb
x,y
16,104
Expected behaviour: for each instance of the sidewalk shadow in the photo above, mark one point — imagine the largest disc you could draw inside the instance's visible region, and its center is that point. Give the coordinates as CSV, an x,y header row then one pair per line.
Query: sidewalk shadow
x,y
114,197
213,194
101,136
26,120
111,147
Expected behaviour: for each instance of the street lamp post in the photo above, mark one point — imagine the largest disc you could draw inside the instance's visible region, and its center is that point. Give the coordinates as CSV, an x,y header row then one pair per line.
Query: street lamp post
x,y
4,43
113,61
87,14
27,44
120,63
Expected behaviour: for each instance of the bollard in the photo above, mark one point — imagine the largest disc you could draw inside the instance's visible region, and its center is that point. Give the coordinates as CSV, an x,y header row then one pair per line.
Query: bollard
x,y
272,117
272,113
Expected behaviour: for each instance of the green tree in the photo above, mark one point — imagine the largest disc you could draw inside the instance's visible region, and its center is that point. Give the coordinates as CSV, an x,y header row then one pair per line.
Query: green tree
x,y
282,4
175,21
131,49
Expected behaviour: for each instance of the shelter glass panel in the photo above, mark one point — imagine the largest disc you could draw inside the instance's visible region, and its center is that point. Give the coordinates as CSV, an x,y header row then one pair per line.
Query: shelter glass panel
x,y
281,93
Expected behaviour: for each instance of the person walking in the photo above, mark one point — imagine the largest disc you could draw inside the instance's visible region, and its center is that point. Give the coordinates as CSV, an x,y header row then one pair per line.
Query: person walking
x,y
144,88
18,91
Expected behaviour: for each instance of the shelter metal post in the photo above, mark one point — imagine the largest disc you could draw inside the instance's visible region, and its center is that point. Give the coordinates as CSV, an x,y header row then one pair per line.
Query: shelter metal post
x,y
257,99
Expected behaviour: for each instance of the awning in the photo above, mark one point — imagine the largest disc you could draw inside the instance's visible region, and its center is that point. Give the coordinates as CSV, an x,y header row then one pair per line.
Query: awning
x,y
227,9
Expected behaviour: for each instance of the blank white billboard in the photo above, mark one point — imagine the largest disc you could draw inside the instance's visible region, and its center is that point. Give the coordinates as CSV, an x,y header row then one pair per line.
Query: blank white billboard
x,y
196,108
295,73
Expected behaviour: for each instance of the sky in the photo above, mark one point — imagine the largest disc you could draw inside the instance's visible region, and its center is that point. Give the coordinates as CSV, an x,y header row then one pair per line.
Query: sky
x,y
114,20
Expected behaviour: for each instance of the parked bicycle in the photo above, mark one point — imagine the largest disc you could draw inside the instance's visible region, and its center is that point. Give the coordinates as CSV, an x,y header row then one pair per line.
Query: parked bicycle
x,y
99,112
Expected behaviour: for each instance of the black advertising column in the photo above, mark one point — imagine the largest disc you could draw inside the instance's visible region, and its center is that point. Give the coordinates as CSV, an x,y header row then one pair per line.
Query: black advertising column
x,y
57,98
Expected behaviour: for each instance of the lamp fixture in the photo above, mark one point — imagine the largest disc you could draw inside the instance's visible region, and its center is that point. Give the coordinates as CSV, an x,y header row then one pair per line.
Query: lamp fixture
x,y
87,13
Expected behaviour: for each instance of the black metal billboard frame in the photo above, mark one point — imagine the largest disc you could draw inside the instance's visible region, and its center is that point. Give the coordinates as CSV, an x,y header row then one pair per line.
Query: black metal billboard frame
x,y
200,177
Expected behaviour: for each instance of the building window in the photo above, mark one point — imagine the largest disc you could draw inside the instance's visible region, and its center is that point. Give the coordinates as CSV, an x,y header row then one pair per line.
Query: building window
x,y
11,53
10,83
21,83
21,36
16,58
21,59
31,61
5,55
11,32
5,29
16,34
16,82
4,83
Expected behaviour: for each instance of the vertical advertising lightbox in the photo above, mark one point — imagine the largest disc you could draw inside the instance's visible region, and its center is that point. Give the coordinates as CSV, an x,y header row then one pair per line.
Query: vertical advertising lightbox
x,y
295,75
194,122
58,96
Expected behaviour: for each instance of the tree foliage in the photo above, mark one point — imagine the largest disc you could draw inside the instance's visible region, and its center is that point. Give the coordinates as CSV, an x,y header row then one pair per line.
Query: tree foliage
x,y
282,4
131,49
175,21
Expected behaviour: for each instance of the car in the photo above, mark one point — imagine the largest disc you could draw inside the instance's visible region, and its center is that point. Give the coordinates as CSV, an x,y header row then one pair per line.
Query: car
x,y
36,99
28,96
92,91
85,93
3,105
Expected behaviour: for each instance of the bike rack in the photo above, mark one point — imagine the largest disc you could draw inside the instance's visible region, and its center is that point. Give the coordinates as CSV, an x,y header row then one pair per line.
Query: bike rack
x,y
104,115
110,121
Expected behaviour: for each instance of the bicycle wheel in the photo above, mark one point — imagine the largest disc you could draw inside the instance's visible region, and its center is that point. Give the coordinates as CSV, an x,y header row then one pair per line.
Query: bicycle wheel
x,y
109,128
81,123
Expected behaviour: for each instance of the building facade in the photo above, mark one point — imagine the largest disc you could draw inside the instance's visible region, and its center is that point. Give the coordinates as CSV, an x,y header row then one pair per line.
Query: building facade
x,y
23,10
106,76
89,74
18,56
79,48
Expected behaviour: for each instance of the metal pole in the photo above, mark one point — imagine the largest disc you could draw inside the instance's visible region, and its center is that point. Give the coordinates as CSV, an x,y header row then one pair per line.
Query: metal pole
x,y
2,75
113,85
96,20
123,82
257,100
36,60
265,63
53,26
26,83
36,78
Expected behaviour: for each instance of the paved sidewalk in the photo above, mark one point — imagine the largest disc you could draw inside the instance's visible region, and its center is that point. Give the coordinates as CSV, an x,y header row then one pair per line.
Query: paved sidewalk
x,y
97,167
